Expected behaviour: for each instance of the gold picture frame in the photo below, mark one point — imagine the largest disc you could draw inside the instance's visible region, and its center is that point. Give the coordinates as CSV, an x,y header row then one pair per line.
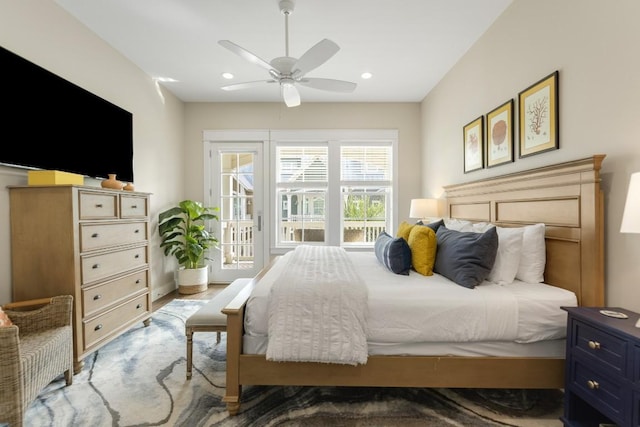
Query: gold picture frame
x,y
538,105
500,135
473,145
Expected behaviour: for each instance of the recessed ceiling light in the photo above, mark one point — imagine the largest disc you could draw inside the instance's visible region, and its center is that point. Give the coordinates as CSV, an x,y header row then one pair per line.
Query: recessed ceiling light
x,y
227,76
366,75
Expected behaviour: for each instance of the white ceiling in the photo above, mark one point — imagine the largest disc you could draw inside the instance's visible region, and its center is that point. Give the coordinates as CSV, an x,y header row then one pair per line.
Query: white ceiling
x,y
408,45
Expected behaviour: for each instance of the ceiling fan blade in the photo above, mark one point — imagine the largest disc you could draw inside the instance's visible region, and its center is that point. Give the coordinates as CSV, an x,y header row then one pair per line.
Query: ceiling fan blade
x,y
242,52
328,84
314,57
290,95
246,85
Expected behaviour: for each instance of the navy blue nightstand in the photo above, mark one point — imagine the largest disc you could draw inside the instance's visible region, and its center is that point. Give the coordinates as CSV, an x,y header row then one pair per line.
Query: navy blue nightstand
x,y
602,371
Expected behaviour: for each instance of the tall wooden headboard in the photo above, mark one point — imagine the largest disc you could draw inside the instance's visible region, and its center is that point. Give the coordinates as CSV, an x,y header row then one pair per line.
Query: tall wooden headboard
x,y
567,198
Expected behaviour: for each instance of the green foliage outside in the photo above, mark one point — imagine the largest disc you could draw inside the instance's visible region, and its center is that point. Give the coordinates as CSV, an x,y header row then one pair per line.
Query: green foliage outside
x,y
362,207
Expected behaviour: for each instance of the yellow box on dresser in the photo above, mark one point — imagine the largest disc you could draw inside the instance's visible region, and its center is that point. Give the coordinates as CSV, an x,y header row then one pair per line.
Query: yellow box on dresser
x,y
54,178
89,242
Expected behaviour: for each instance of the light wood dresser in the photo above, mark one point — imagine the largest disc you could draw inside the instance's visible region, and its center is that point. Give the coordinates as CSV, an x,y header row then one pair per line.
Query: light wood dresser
x,y
88,242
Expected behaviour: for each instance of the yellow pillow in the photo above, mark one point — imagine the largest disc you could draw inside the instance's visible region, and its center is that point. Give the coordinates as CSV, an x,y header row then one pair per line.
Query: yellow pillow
x,y
404,229
423,244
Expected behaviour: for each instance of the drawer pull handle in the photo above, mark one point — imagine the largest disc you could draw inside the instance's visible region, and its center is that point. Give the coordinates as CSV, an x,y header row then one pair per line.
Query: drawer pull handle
x,y
136,231
138,282
137,256
95,266
134,206
97,297
99,205
98,327
138,306
94,235
593,385
594,345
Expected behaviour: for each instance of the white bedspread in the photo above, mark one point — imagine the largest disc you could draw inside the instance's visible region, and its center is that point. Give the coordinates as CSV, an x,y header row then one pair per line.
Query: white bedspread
x,y
427,309
318,309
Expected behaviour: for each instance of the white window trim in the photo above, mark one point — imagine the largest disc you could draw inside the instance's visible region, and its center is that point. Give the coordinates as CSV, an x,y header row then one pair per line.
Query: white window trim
x,y
366,136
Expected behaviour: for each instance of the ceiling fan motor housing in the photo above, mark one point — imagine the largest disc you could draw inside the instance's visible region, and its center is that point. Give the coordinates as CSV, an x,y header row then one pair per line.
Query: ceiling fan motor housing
x,y
289,71
287,6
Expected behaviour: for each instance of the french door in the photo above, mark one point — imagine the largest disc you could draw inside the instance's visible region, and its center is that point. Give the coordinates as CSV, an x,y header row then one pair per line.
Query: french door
x,y
236,177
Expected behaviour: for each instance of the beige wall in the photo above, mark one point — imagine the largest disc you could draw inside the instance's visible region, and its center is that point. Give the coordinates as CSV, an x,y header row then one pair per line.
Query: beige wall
x,y
594,46
405,117
45,34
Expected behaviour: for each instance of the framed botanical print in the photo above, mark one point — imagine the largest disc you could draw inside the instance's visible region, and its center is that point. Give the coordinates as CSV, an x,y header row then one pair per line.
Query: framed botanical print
x,y
538,105
473,146
500,135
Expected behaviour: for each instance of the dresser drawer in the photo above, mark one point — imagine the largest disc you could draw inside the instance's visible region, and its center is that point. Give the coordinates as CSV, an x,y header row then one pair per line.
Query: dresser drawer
x,y
133,207
96,298
102,326
101,236
605,350
102,266
608,394
98,205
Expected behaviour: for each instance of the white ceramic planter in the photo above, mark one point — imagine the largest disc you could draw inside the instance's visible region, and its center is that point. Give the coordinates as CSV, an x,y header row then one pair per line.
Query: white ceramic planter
x,y
193,280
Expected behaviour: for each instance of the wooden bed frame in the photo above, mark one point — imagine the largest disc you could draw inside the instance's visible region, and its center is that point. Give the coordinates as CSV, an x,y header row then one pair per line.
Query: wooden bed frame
x,y
566,197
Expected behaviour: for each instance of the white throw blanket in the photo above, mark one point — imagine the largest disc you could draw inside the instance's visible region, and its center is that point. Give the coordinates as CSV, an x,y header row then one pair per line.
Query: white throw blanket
x,y
318,309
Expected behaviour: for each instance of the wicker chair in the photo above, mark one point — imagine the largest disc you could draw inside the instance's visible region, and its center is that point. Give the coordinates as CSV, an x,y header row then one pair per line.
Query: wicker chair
x,y
34,351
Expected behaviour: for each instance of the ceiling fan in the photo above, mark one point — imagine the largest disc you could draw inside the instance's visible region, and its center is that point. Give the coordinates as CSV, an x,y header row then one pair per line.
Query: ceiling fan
x,y
289,71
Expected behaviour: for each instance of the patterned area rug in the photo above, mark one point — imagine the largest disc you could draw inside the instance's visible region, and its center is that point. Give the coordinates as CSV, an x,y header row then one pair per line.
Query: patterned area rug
x,y
139,380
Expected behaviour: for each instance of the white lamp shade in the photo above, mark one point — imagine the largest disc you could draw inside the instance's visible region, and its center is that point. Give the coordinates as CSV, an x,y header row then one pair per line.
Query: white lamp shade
x,y
631,215
423,208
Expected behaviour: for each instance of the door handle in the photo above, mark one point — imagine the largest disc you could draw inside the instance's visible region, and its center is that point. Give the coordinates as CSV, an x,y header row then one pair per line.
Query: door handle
x,y
259,222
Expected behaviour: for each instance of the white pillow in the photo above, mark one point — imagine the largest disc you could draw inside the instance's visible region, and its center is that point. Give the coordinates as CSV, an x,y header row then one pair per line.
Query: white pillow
x,y
534,256
481,227
458,224
507,260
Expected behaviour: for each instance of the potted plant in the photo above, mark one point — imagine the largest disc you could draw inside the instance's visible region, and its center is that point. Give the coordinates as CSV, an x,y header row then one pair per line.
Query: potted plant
x,y
184,235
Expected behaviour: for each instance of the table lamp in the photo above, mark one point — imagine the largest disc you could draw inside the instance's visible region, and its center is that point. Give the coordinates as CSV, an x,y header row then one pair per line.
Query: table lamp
x,y
423,209
631,215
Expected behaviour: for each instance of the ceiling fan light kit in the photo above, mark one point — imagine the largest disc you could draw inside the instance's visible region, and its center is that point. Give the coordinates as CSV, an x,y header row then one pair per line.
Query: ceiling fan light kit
x,y
289,71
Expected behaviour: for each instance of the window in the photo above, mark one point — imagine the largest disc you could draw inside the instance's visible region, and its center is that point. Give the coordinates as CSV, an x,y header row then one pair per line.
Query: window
x,y
338,191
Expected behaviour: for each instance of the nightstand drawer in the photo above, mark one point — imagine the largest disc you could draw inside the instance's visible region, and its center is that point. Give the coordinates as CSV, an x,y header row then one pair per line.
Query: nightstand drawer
x,y
605,350
607,394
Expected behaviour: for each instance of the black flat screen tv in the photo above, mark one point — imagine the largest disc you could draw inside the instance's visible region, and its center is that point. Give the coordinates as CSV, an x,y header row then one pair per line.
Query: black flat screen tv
x,y
50,123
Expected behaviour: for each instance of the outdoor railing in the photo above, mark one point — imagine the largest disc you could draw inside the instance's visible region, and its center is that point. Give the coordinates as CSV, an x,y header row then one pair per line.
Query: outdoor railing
x,y
237,239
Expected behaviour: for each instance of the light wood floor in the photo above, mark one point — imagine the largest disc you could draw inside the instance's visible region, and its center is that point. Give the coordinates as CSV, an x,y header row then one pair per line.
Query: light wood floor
x,y
208,294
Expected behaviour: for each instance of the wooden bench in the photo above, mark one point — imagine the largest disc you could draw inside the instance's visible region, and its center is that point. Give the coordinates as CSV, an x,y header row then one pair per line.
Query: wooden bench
x,y
209,317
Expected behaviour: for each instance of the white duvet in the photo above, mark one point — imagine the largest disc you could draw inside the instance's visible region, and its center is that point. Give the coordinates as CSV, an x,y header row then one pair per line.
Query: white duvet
x,y
318,309
417,309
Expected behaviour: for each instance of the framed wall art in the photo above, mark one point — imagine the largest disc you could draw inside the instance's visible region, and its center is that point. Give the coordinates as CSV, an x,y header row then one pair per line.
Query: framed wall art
x,y
473,145
500,135
538,105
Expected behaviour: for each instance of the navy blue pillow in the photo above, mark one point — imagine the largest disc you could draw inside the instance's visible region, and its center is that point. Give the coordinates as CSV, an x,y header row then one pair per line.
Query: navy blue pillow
x,y
432,225
465,257
393,253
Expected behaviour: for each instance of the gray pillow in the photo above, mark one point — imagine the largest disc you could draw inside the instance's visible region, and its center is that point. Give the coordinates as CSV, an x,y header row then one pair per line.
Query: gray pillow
x,y
393,253
465,257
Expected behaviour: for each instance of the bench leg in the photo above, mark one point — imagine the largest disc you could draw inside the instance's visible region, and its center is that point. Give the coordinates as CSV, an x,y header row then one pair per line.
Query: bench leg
x,y
189,352
218,337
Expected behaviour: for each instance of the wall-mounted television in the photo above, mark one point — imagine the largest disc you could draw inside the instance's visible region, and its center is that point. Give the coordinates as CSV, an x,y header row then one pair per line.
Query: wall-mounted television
x,y
50,123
